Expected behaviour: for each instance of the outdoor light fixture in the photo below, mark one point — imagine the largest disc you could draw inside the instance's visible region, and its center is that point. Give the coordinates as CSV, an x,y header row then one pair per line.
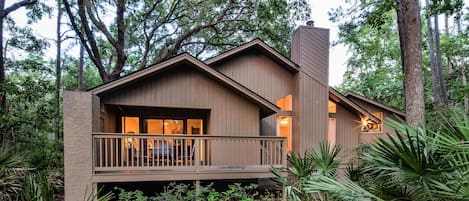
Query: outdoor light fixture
x,y
284,120
366,125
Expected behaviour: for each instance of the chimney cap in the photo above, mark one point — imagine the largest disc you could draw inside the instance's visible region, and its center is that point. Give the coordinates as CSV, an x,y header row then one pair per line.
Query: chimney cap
x,y
310,23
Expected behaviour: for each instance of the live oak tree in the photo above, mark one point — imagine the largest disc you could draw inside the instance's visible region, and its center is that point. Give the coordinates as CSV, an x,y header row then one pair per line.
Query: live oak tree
x,y
121,36
409,28
4,12
373,68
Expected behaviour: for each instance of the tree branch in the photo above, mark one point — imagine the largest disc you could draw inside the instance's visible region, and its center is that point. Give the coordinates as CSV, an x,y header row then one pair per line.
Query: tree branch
x,y
16,6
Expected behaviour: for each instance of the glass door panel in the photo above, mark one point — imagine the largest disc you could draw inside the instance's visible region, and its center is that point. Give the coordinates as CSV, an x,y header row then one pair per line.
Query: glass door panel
x,y
195,127
131,125
285,129
153,126
173,126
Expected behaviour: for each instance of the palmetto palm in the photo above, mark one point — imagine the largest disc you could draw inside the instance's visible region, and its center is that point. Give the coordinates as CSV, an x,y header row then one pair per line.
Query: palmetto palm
x,y
11,174
414,164
315,162
423,164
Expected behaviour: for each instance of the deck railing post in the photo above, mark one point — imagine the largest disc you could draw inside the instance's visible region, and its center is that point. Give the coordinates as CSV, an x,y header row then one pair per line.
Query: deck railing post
x,y
197,153
284,151
112,152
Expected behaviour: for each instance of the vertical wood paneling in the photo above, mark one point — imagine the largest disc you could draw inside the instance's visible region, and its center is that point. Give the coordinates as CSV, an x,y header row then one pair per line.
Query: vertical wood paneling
x,y
371,137
312,113
347,131
230,113
263,76
260,74
310,49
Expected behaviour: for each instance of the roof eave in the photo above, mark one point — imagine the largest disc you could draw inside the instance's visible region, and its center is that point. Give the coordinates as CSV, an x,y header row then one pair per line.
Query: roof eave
x,y
354,106
393,110
266,105
261,45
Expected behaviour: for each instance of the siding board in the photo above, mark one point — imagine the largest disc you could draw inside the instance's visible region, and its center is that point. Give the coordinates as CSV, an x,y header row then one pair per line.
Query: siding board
x,y
231,114
263,76
347,131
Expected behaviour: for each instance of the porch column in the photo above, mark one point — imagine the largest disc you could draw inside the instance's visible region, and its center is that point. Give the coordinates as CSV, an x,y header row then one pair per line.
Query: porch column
x,y
78,125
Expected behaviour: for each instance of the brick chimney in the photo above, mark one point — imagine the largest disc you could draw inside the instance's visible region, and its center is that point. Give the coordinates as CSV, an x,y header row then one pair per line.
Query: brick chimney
x,y
310,50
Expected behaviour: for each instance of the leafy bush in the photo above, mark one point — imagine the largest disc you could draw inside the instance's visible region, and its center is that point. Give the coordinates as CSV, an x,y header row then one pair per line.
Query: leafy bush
x,y
183,192
36,187
11,174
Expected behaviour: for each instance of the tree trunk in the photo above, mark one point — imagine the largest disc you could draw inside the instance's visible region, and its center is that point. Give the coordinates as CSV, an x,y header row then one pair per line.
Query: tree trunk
x,y
2,77
411,46
436,96
58,72
2,63
464,84
441,79
80,68
463,72
448,57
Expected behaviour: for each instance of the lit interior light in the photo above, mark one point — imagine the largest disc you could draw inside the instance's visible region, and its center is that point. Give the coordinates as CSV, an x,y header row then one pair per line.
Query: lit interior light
x,y
284,120
364,122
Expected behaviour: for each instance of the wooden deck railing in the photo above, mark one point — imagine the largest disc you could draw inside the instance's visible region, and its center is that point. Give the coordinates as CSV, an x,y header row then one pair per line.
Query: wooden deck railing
x,y
136,152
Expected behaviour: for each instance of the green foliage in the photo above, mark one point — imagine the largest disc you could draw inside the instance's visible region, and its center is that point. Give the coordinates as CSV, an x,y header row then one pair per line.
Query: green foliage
x,y
322,162
374,69
369,30
95,196
11,174
28,124
157,30
70,75
415,164
185,192
36,187
325,159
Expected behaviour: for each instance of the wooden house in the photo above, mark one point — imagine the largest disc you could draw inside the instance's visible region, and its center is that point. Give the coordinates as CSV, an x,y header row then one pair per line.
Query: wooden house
x,y
233,116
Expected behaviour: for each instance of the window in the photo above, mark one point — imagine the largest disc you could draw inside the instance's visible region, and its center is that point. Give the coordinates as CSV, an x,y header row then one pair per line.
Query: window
x,y
369,126
285,103
332,107
130,125
285,129
331,131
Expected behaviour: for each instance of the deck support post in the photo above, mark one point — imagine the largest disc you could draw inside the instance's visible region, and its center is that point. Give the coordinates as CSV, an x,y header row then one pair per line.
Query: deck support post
x,y
197,185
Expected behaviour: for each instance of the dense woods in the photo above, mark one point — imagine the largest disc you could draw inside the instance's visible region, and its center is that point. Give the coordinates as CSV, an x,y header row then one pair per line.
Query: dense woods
x,y
371,31
99,41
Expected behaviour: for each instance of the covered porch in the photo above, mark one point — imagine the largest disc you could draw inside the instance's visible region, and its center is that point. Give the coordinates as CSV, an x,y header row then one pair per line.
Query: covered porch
x,y
117,156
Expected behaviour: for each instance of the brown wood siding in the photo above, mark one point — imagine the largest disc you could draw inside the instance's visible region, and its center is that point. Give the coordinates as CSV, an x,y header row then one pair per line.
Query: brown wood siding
x,y
310,49
269,126
347,131
184,87
372,137
263,76
108,119
260,74
312,114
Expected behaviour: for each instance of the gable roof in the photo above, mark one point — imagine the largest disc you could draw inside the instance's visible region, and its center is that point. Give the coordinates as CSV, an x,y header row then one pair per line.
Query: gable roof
x,y
256,44
267,106
339,98
375,103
